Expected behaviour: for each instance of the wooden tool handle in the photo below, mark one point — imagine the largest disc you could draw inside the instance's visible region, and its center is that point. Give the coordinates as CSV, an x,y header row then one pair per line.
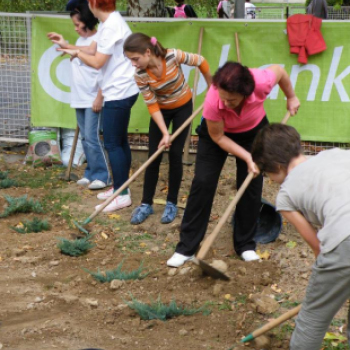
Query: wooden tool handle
x,y
211,238
272,324
145,165
72,152
286,117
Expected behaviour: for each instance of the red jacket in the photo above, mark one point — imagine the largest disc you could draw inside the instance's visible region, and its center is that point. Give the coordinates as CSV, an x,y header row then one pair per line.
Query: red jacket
x,y
304,36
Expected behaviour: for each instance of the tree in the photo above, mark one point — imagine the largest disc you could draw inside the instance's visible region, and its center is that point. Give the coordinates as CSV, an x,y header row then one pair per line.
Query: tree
x,y
146,8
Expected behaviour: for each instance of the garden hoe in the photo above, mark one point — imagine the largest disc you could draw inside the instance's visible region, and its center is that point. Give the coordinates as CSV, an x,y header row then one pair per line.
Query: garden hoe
x,y
272,324
67,176
137,173
208,269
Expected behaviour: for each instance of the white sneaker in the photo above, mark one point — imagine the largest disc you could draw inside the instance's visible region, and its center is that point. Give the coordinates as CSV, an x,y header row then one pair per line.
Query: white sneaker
x,y
250,255
106,194
178,260
117,203
83,182
97,185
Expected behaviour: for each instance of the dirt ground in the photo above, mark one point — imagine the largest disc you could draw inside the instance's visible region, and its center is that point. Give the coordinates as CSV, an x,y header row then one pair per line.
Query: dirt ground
x,y
48,300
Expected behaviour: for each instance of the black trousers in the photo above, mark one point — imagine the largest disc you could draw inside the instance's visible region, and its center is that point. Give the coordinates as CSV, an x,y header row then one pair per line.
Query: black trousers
x,y
209,163
177,116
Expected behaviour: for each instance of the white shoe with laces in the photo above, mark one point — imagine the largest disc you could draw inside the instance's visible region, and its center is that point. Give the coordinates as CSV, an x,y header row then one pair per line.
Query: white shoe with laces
x,y
97,185
117,203
178,260
250,255
83,182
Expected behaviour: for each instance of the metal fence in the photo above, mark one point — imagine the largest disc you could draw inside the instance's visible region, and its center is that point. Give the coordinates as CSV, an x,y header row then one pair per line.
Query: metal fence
x,y
15,79
15,76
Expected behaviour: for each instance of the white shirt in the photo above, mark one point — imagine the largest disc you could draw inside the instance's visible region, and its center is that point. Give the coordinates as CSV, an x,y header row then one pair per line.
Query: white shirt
x,y
84,79
117,78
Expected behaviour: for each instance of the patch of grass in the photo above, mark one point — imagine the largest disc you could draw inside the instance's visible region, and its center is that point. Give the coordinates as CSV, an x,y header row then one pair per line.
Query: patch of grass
x,y
3,175
36,225
21,205
134,243
76,247
47,178
241,299
158,310
284,330
60,204
337,322
118,274
290,304
333,345
7,183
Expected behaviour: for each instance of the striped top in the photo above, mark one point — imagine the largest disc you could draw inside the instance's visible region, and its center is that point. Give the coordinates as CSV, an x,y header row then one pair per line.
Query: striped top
x,y
170,90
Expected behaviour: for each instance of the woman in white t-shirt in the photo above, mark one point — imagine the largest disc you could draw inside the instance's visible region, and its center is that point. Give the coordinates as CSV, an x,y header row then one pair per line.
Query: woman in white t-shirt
x,y
118,89
87,99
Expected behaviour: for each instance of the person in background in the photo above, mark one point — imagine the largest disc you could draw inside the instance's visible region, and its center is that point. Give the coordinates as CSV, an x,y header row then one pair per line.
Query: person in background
x,y
233,114
313,191
318,8
86,98
118,87
249,10
169,100
182,10
223,9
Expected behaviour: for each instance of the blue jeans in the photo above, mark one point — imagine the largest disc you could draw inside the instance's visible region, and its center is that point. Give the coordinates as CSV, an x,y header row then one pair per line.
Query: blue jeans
x,y
97,166
116,116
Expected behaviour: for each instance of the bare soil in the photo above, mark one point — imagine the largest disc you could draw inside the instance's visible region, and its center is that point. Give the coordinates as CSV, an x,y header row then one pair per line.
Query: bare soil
x,y
49,302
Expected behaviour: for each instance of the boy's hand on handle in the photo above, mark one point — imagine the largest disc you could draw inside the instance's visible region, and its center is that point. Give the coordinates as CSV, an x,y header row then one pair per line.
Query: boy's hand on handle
x,y
293,105
165,141
57,39
252,168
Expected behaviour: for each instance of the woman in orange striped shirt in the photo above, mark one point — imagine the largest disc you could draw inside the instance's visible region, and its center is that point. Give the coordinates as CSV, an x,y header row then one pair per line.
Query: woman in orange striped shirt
x,y
169,100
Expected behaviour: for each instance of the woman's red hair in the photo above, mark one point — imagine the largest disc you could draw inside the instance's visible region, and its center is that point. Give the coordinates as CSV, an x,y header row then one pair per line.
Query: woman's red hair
x,y
103,5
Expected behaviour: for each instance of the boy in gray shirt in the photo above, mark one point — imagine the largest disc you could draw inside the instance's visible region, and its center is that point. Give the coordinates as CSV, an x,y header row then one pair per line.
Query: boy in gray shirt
x,y
313,191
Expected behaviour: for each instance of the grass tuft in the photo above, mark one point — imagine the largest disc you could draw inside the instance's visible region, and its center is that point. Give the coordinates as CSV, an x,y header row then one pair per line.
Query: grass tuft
x,y
77,247
21,205
36,225
118,274
7,183
160,311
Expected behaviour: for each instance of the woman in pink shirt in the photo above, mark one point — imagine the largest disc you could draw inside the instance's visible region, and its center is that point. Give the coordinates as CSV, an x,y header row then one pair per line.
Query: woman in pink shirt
x,y
233,114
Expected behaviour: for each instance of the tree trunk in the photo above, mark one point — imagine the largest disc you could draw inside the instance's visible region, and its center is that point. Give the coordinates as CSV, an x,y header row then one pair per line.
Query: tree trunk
x,y
146,8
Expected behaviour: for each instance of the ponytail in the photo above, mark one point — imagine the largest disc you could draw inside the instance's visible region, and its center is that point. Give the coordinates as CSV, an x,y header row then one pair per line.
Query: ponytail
x,y
139,42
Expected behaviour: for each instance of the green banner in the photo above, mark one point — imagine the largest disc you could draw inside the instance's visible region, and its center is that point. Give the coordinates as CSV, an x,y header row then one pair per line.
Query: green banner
x,y
323,85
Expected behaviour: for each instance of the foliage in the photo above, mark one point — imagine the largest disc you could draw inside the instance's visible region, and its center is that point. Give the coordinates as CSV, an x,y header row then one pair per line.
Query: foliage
x,y
77,247
3,175
160,311
329,344
7,183
117,274
36,225
21,205
32,5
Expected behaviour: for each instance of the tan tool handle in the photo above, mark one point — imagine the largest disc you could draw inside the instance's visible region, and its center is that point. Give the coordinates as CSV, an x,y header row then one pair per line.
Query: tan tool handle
x,y
211,238
72,152
237,48
194,94
272,324
145,165
209,241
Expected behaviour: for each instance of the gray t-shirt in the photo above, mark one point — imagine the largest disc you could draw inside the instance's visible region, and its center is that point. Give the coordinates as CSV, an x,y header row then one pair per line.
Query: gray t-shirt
x,y
319,188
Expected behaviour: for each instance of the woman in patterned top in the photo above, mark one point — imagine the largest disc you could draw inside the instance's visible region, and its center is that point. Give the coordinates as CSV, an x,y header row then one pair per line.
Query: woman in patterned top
x,y
169,100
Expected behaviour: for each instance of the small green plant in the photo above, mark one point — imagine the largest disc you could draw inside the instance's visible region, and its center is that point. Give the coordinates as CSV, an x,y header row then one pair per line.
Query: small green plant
x,y
118,274
7,183
337,322
3,175
36,225
329,344
21,205
284,330
76,247
160,311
